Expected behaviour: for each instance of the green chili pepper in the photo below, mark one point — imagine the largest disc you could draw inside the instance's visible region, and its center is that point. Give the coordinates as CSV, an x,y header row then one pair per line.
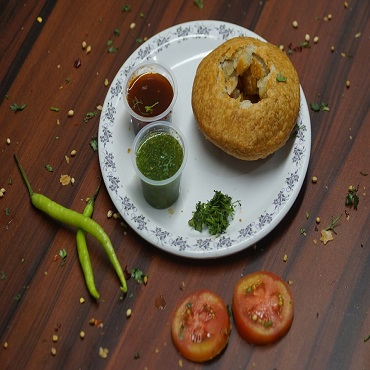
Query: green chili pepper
x,y
83,253
76,219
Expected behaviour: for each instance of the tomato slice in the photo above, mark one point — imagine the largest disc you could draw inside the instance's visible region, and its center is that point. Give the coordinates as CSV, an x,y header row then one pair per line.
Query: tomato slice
x,y
262,307
201,326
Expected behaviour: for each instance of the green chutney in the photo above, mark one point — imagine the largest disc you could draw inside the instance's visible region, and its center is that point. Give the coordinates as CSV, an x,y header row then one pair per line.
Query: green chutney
x,y
160,156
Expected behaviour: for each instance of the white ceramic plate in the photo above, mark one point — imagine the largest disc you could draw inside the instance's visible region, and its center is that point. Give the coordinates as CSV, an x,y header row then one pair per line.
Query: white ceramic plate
x,y
266,188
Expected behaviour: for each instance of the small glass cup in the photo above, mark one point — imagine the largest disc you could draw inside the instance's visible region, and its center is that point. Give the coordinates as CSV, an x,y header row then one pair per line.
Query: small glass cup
x,y
139,121
159,193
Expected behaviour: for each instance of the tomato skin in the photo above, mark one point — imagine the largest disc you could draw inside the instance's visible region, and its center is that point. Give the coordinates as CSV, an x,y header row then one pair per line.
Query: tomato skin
x,y
201,326
262,307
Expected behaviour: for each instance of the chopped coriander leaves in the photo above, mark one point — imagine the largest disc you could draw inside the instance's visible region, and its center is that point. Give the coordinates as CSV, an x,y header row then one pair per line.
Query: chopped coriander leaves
x,y
54,109
7,211
63,256
199,3
280,77
49,168
116,32
90,115
2,275
367,338
320,107
126,8
17,108
352,198
214,214
94,144
139,276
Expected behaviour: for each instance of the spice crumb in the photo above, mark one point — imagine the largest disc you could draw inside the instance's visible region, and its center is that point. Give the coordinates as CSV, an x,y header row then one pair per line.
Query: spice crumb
x,y
314,179
73,153
103,352
295,24
71,113
106,82
84,45
109,214
345,4
39,19
82,334
88,49
348,83
55,338
5,345
53,351
307,37
128,313
332,49
132,25
65,180
8,141
358,34
82,300
285,258
316,39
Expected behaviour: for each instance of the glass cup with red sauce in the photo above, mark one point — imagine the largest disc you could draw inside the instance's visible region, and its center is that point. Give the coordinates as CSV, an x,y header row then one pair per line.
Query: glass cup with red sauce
x,y
151,92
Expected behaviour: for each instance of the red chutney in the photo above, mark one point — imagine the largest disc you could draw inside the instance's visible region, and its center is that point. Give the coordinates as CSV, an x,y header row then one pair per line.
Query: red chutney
x,y
149,94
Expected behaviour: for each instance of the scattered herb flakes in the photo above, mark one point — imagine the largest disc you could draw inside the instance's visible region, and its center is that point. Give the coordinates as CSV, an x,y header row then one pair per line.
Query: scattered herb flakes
x,y
2,275
367,338
67,80
139,276
352,198
136,355
54,109
10,181
214,214
116,32
109,42
112,50
18,297
319,107
139,40
199,3
94,144
280,77
17,108
90,115
302,231
63,256
49,168
364,173
126,8
7,211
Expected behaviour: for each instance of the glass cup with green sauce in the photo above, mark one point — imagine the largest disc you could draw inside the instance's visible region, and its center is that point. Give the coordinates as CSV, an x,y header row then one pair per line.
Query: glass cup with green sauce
x,y
159,155
150,94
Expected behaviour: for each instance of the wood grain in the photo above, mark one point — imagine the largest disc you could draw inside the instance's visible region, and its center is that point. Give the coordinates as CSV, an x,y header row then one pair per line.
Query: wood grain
x,y
40,298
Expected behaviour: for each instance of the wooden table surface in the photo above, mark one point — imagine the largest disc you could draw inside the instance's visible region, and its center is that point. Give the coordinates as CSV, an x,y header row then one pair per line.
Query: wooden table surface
x,y
40,296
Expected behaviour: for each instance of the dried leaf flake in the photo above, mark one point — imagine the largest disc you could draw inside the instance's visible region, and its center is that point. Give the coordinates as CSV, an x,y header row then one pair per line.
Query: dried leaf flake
x,y
326,236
